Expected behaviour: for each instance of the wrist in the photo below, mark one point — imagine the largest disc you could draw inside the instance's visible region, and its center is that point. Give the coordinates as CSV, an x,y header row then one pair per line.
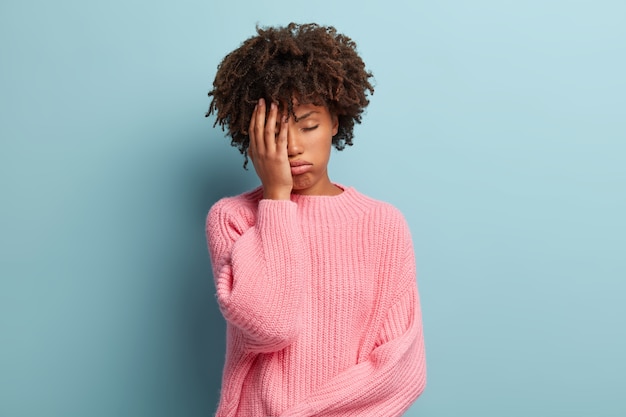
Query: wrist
x,y
277,194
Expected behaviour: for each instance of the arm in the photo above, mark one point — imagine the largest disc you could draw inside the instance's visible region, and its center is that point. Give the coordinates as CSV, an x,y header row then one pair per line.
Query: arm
x,y
258,270
392,376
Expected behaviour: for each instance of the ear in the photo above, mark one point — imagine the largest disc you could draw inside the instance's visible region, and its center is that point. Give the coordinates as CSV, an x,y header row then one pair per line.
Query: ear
x,y
335,121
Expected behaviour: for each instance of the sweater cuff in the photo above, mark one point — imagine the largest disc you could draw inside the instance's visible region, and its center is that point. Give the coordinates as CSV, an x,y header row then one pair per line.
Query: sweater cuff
x,y
276,215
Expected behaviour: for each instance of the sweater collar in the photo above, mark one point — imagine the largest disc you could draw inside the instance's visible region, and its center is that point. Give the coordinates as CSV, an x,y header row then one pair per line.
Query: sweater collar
x,y
337,208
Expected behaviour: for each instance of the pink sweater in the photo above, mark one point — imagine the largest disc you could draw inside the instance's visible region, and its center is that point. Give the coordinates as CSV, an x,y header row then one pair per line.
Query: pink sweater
x,y
321,304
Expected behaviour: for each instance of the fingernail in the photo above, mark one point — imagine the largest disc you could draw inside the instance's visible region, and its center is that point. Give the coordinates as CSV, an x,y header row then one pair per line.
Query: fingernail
x,y
273,105
261,101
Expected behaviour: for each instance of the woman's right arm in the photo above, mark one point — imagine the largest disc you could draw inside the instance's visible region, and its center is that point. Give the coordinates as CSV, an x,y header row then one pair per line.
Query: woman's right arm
x,y
259,270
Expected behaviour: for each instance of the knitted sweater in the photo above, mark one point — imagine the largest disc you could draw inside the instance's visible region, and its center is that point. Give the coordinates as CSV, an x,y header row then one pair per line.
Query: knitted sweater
x,y
320,298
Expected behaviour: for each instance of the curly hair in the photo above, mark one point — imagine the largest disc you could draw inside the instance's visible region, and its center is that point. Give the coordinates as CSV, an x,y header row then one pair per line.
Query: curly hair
x,y
311,63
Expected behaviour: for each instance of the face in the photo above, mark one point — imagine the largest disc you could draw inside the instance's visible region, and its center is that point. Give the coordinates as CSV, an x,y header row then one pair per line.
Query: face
x,y
309,142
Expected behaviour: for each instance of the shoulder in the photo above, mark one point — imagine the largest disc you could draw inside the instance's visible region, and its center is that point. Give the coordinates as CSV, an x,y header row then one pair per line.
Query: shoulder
x,y
380,212
235,209
249,199
386,228
388,237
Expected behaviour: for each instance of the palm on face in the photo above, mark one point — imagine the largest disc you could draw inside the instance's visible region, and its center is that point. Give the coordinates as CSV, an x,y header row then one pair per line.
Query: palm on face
x,y
268,151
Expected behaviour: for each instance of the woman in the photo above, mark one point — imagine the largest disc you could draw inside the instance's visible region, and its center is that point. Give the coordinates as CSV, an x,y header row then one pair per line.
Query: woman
x,y
316,281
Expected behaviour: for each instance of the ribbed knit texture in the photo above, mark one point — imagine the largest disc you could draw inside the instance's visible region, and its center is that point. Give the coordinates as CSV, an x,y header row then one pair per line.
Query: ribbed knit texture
x,y
320,299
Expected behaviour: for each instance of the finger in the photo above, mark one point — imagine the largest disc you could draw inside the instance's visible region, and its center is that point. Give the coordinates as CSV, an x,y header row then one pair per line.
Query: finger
x,y
270,128
251,133
281,139
260,127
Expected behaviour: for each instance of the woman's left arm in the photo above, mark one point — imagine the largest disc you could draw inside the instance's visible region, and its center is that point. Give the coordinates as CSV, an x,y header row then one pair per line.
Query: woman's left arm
x,y
393,375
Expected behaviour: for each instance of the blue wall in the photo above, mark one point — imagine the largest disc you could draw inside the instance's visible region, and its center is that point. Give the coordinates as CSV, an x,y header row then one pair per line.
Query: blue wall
x,y
497,127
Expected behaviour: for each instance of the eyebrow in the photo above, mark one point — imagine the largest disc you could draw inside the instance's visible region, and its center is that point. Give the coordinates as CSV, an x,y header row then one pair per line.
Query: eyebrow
x,y
304,116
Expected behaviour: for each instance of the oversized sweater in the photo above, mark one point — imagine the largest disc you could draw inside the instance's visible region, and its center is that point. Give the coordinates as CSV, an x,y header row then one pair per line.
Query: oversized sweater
x,y
320,299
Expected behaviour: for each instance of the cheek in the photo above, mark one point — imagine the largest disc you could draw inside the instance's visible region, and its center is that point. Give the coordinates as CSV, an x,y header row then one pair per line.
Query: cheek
x,y
324,144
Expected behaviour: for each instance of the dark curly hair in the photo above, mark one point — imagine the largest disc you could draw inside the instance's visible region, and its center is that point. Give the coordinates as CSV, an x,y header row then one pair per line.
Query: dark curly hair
x,y
311,63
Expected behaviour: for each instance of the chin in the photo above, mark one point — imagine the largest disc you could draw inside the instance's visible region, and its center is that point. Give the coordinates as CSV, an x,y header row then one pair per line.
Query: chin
x,y
301,184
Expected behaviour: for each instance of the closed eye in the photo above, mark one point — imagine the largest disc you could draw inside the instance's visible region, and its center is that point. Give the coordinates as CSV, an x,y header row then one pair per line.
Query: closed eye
x,y
308,129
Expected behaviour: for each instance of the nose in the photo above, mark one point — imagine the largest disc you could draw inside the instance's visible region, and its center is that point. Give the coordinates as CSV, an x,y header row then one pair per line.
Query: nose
x,y
294,143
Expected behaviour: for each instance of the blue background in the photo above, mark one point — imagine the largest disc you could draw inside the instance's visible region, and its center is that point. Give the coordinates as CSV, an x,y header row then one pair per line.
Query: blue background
x,y
498,128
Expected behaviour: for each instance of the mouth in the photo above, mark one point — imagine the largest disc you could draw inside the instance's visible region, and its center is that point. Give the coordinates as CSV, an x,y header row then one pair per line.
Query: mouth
x,y
300,167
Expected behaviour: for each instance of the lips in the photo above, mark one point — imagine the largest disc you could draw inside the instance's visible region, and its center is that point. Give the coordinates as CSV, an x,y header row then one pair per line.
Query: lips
x,y
300,167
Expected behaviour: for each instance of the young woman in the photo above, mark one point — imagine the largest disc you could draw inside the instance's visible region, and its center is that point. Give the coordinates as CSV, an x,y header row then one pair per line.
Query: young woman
x,y
316,281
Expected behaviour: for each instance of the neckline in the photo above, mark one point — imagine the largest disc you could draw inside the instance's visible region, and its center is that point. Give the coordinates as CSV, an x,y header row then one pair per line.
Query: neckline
x,y
342,208
304,197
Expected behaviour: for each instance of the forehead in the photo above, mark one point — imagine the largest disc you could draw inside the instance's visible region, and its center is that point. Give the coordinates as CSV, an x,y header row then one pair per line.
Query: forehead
x,y
302,108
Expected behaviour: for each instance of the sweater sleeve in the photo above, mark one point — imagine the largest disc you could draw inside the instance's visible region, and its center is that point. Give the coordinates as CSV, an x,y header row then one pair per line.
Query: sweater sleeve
x,y
258,271
391,378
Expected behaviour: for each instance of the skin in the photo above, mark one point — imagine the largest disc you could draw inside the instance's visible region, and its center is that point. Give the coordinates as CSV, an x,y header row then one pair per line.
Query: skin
x,y
291,154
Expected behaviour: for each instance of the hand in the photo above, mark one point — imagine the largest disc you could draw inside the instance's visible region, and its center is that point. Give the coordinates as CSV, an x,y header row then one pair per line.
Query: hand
x,y
268,152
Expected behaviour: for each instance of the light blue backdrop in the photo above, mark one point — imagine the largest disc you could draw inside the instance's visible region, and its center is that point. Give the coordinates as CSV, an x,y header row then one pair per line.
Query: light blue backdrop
x,y
497,127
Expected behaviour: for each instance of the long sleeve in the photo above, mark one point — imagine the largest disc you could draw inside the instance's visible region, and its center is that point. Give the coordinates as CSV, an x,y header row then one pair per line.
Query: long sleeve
x,y
393,375
258,266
